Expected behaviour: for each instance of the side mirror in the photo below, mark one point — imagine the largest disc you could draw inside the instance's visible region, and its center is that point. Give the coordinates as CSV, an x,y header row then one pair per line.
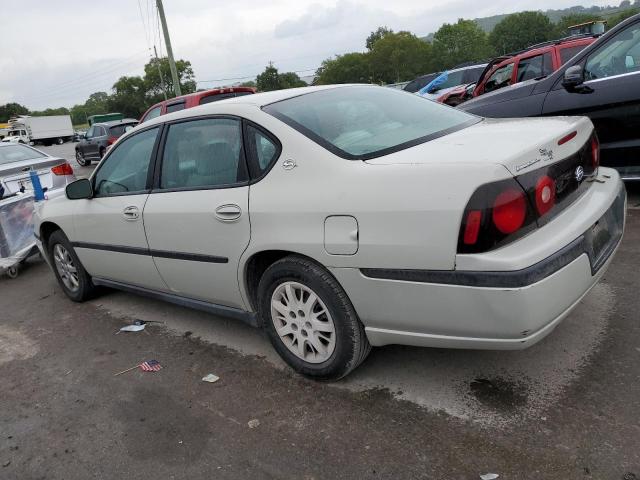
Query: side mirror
x,y
79,189
573,78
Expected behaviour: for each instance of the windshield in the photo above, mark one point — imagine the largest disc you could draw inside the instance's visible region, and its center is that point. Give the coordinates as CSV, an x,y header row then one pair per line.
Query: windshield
x,y
18,153
366,121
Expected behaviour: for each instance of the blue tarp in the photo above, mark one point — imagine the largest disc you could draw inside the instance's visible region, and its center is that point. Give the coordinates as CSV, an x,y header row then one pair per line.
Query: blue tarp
x,y
439,80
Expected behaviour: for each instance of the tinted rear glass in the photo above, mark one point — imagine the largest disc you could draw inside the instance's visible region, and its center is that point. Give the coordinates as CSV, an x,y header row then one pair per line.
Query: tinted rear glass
x,y
118,130
18,153
414,85
367,122
222,96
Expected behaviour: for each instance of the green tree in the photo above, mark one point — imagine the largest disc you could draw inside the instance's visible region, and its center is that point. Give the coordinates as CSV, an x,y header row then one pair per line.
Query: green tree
x,y
129,97
97,103
397,57
51,111
460,42
153,83
519,31
271,79
622,16
348,68
250,83
377,35
12,109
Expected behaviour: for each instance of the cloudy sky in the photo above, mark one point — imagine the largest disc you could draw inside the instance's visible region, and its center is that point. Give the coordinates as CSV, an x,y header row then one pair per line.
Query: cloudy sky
x,y
56,53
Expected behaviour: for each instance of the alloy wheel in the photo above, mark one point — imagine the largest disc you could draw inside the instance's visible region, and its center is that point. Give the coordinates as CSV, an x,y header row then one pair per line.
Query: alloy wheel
x,y
66,268
303,322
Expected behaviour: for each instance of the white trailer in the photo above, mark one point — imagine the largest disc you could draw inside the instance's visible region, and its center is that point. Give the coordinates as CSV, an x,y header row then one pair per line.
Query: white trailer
x,y
46,130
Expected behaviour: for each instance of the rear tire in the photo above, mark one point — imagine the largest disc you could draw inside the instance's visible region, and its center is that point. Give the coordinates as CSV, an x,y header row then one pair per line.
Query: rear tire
x,y
59,141
309,319
102,151
71,275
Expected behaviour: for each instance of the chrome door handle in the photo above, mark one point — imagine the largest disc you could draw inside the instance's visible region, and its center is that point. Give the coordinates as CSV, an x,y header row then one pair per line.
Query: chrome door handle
x,y
228,213
131,213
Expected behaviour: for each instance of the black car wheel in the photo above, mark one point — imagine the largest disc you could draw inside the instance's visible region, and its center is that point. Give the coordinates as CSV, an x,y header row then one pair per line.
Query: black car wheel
x,y
71,275
81,160
310,320
102,151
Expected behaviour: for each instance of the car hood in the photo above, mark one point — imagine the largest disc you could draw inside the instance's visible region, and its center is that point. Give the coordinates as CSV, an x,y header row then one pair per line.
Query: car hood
x,y
513,92
519,144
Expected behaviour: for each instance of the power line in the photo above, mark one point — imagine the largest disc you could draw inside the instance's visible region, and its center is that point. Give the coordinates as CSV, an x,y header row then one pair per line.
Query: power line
x,y
251,76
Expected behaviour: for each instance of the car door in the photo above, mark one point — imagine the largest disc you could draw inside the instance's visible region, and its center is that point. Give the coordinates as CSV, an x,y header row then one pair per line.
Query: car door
x,y
610,96
197,216
85,143
109,233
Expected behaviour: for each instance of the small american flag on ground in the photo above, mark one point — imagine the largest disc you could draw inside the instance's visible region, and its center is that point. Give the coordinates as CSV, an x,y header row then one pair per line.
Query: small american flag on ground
x,y
150,366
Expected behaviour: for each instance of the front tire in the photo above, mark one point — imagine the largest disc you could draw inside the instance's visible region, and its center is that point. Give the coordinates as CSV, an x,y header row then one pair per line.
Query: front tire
x,y
71,275
81,160
59,141
309,319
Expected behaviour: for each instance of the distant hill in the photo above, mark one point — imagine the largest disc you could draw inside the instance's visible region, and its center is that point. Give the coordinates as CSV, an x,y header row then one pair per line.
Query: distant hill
x,y
488,23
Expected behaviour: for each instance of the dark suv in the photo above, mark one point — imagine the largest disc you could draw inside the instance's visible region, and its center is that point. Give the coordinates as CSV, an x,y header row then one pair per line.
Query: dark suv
x,y
601,82
99,138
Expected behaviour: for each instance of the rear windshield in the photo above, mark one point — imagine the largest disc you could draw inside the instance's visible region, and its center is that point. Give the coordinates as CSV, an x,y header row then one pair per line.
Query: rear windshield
x,y
221,96
175,107
119,130
366,121
419,83
18,153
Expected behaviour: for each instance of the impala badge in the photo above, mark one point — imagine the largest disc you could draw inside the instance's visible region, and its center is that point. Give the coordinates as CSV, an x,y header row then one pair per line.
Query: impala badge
x,y
546,153
289,165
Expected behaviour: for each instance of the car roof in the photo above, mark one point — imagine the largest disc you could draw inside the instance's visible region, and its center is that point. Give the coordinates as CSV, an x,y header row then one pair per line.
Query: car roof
x,y
112,123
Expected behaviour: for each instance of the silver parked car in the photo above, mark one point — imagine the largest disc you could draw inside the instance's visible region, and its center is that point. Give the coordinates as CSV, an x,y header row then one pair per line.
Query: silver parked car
x,y
16,160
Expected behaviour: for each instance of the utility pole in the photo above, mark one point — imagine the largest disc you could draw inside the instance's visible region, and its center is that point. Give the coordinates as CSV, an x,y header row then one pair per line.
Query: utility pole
x,y
167,41
164,90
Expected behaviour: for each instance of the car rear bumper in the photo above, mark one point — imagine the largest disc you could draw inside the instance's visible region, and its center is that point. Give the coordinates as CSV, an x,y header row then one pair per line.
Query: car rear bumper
x,y
485,309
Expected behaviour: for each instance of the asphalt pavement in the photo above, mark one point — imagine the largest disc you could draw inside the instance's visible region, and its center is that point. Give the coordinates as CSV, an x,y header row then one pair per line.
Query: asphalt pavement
x,y
567,408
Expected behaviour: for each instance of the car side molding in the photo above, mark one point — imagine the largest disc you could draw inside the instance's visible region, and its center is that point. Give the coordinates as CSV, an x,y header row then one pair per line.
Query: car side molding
x,y
215,309
193,257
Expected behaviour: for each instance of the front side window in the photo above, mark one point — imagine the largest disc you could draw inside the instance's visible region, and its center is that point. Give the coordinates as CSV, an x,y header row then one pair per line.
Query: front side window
x,y
499,79
126,168
153,113
472,75
176,107
620,55
366,121
99,132
534,67
203,154
18,153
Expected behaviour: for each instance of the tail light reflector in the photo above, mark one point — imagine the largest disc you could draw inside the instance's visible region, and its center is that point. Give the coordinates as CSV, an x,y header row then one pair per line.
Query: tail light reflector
x,y
472,227
62,169
566,138
111,140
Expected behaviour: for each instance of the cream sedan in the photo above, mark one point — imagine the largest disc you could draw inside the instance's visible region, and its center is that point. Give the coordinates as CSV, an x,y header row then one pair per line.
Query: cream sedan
x,y
342,217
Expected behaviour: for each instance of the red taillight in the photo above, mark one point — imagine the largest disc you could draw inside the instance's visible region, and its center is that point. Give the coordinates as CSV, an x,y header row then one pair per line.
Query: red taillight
x,y
111,140
509,211
62,169
595,152
545,194
472,227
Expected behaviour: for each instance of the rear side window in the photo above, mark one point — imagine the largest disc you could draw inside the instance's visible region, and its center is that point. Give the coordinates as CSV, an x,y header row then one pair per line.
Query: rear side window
x,y
176,107
125,169
453,79
534,67
99,132
499,79
222,96
262,148
568,53
367,121
202,154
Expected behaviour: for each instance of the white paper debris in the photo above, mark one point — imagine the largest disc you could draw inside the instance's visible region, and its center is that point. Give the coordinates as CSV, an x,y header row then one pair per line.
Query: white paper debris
x,y
211,378
132,328
489,476
253,423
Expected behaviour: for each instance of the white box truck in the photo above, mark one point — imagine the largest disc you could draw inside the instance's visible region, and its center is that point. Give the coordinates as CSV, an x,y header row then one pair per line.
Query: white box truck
x,y
45,130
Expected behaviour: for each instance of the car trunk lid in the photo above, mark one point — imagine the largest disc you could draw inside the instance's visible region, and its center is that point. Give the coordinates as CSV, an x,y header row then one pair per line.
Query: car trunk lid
x,y
15,176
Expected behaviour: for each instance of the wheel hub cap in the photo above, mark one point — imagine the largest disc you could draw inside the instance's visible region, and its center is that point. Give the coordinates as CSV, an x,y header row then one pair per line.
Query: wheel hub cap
x,y
303,322
66,268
